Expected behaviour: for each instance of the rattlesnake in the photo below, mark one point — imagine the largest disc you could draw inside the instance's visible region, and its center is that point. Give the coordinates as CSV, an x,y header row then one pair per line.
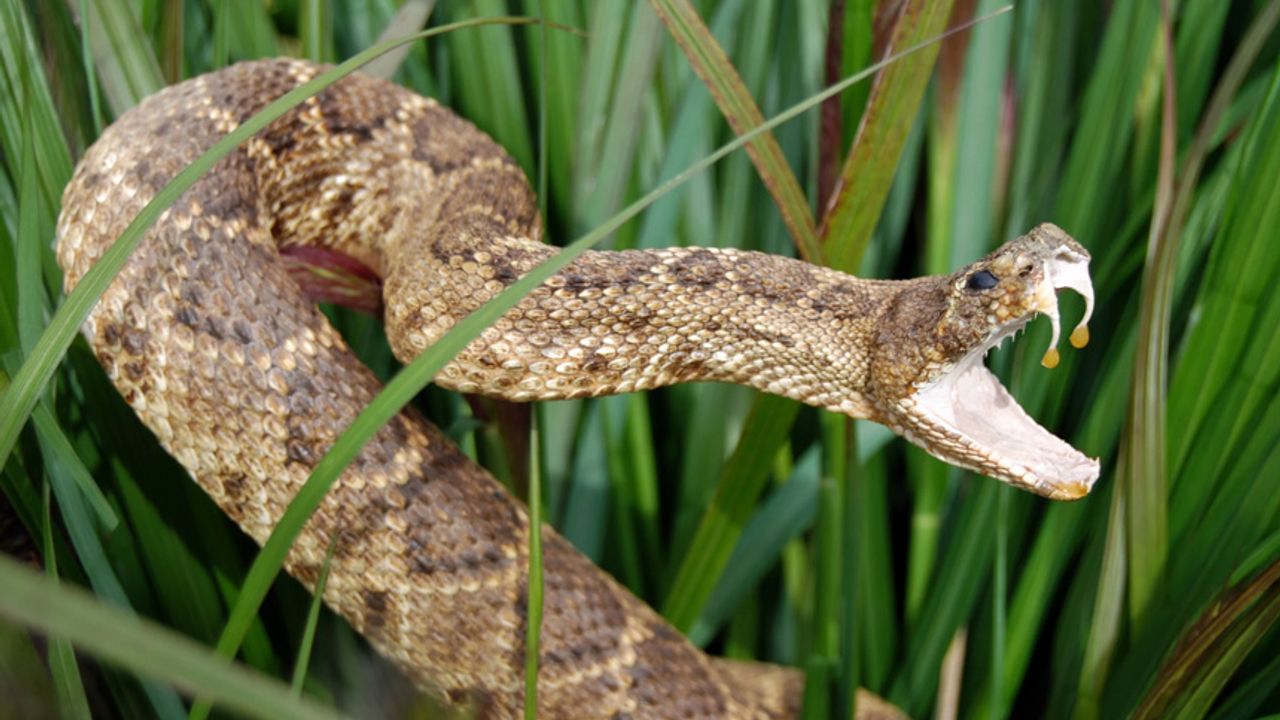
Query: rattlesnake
x,y
246,384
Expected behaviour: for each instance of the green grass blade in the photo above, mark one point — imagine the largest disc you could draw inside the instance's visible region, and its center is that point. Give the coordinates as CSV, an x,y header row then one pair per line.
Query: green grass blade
x,y
32,299
313,619
1208,358
411,17
20,61
644,480
560,85
533,620
1198,43
868,170
1246,701
1144,477
58,448
821,667
1108,611
72,485
999,592
713,66
247,27
67,683
1147,454
1211,648
612,171
533,463
142,646
962,569
741,481
316,31
784,516
605,30
1086,196
877,602
90,73
126,65
493,98
25,668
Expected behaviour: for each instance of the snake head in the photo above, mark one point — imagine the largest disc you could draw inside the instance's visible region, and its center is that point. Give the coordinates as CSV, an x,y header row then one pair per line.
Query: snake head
x,y
949,402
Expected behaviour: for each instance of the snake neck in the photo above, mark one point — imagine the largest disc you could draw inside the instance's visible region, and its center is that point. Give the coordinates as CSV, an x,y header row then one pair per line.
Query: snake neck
x,y
634,320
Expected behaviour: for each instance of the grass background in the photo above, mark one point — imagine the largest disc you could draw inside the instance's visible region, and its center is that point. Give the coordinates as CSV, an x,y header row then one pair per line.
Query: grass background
x,y
1151,132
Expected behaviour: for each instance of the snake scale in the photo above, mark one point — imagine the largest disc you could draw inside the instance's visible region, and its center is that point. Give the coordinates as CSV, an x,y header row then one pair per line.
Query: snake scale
x,y
243,380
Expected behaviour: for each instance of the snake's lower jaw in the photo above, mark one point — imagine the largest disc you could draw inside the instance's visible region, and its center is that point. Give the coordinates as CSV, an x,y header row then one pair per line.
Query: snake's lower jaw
x,y
969,419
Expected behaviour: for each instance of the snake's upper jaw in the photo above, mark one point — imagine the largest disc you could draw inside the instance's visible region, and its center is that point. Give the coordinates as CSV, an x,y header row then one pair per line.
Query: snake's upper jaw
x,y
968,418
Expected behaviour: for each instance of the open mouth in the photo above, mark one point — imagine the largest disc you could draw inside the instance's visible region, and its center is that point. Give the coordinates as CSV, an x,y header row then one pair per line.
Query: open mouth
x,y
996,435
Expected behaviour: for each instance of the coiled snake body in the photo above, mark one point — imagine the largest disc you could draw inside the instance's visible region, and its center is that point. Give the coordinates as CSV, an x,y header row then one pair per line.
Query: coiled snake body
x,y
247,385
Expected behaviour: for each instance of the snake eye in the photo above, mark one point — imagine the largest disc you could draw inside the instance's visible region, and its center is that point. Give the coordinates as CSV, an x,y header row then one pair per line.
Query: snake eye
x,y
981,280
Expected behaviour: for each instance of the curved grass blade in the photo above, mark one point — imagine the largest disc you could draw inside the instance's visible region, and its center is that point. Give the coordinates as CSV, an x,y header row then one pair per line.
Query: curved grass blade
x,y
711,64
72,485
1212,648
142,646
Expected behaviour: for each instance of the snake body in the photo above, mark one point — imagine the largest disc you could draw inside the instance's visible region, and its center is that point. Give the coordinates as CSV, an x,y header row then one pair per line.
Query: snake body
x,y
243,380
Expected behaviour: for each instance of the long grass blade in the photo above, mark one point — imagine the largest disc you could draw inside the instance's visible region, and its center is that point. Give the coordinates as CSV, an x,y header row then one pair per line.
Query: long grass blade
x,y
1108,611
867,175
1145,479
20,62
62,658
313,619
411,17
741,482
713,66
142,646
788,512
125,64
619,133
1211,648
533,620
